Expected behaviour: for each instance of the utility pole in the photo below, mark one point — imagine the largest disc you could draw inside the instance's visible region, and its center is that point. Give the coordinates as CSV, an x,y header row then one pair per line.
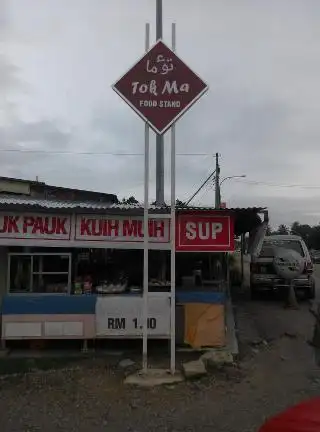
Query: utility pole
x,y
159,138
217,184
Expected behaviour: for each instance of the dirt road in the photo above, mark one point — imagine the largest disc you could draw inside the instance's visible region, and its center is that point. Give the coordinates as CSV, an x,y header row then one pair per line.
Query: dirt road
x,y
276,370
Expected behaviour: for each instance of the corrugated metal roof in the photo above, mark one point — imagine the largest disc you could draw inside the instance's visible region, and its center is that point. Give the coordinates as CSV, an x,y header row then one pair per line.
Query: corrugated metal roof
x,y
203,208
9,200
20,201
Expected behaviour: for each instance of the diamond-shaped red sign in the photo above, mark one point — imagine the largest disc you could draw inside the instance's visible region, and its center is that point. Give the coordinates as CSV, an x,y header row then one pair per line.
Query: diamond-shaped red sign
x,y
160,87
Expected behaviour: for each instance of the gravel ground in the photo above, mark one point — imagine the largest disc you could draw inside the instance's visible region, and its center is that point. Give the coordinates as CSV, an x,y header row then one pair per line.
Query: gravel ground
x,y
276,370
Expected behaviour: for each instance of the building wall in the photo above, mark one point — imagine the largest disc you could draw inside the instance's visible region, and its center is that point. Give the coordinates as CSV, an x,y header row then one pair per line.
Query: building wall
x,y
10,186
43,191
50,192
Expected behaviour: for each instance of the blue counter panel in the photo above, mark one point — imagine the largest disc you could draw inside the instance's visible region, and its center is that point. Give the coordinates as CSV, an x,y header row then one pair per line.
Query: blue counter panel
x,y
200,297
48,304
82,304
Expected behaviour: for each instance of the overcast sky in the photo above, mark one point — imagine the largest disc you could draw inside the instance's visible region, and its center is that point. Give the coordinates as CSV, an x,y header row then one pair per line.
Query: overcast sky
x,y
260,58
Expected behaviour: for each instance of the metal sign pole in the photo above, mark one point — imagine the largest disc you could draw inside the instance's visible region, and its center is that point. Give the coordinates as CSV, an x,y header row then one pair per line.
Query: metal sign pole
x,y
159,138
144,88
173,236
146,233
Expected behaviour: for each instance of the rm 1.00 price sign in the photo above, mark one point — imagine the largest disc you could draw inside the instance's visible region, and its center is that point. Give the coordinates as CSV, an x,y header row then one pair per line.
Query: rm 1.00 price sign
x,y
123,316
151,323
122,323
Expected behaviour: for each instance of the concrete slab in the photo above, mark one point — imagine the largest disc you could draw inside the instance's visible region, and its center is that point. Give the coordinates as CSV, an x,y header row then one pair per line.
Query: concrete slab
x,y
126,363
217,357
154,377
46,354
57,353
192,350
194,369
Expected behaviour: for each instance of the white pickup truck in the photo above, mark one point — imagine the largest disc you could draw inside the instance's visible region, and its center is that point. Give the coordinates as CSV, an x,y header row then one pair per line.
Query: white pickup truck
x,y
262,272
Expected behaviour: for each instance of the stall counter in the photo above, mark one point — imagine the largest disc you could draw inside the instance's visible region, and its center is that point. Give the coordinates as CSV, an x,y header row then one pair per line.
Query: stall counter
x,y
83,316
48,317
204,318
199,317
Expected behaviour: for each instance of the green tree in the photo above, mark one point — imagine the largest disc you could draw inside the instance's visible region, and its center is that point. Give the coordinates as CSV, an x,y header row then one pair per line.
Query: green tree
x,y
269,230
314,239
180,203
305,231
282,229
130,200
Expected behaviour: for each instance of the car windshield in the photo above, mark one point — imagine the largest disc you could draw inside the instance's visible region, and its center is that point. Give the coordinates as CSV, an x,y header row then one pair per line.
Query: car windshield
x,y
268,248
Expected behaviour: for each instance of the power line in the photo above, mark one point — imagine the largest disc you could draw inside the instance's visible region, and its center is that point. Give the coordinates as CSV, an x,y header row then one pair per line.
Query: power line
x,y
208,188
199,189
129,154
89,153
261,183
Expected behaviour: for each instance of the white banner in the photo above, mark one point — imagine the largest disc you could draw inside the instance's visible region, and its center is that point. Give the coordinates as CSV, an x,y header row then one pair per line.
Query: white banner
x,y
120,229
87,228
35,226
122,315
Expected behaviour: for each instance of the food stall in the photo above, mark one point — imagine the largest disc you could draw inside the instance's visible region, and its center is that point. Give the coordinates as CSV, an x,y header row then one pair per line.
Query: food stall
x,y
72,270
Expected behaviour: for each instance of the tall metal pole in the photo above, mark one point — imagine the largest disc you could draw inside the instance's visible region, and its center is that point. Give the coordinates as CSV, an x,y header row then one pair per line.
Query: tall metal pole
x,y
217,183
159,20
173,237
241,257
146,234
159,138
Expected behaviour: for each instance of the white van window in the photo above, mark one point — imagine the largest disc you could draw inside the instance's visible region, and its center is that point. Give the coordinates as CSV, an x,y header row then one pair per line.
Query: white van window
x,y
268,248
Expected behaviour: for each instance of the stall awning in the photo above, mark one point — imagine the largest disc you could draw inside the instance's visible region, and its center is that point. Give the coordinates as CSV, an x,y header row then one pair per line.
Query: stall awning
x,y
246,219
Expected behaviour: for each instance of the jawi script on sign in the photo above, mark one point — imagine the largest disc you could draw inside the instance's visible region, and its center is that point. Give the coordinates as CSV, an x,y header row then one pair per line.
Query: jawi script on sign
x,y
205,233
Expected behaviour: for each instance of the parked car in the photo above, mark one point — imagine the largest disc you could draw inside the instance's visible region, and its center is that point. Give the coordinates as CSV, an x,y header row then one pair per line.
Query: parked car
x,y
262,272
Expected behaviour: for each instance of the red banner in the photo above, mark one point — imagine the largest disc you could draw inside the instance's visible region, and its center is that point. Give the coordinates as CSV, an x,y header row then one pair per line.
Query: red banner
x,y
205,232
